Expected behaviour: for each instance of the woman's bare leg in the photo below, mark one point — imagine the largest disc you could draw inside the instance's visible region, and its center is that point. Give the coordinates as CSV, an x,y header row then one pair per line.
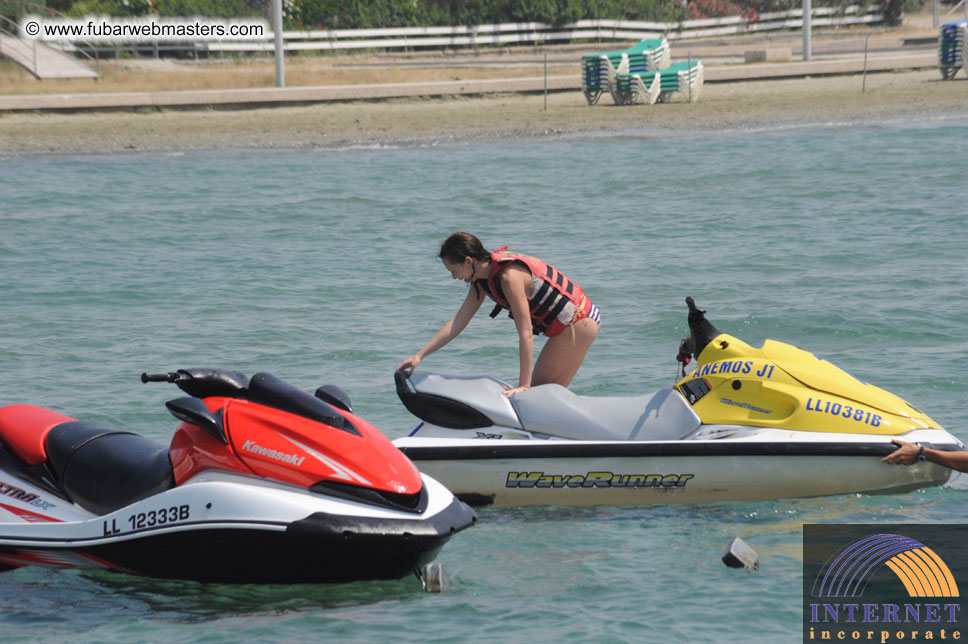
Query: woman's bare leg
x,y
563,354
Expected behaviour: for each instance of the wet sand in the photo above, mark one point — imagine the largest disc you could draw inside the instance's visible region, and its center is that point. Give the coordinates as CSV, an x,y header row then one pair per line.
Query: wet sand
x,y
723,107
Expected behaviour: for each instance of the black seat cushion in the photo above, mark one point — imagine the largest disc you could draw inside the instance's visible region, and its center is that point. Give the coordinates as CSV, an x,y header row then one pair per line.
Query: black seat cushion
x,y
104,469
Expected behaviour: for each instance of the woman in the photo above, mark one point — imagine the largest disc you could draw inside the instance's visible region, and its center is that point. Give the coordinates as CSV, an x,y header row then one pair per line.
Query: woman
x,y
540,300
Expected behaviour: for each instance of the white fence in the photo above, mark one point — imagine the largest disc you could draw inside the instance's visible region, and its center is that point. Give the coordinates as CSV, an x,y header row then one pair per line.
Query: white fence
x,y
536,32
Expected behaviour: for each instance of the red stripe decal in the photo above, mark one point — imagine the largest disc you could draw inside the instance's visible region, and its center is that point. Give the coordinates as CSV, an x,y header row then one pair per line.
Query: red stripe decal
x,y
28,516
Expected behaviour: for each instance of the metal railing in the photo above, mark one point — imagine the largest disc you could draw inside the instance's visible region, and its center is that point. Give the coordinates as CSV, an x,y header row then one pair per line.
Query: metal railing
x,y
534,32
492,35
954,8
26,8
10,41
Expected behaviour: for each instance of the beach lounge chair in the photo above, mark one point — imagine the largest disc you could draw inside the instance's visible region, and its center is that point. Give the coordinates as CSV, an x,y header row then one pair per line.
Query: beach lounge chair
x,y
685,77
599,70
952,46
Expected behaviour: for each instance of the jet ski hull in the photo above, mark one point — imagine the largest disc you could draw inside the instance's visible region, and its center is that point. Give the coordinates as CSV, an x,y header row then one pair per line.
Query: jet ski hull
x,y
261,483
746,424
228,528
588,473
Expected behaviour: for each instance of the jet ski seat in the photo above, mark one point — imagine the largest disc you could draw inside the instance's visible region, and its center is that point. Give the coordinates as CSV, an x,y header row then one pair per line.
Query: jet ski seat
x,y
23,429
103,469
556,411
455,401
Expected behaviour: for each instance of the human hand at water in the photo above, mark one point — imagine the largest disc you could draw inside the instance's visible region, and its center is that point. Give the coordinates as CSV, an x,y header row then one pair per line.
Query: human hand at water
x,y
410,364
510,392
905,454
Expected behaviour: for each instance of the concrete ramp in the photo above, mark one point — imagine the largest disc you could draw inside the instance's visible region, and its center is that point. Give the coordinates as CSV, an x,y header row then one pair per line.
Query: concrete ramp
x,y
41,60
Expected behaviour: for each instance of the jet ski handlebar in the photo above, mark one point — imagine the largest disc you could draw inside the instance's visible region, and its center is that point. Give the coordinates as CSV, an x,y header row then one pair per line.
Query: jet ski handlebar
x,y
171,376
402,380
701,333
202,383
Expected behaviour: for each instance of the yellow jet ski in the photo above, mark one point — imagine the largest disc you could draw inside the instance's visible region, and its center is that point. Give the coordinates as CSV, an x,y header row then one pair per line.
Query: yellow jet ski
x,y
746,424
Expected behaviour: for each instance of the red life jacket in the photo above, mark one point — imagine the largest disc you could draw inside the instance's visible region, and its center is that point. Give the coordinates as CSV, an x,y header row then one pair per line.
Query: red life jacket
x,y
555,304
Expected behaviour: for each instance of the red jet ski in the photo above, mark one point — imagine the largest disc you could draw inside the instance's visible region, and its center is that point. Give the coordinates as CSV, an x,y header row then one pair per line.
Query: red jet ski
x,y
262,483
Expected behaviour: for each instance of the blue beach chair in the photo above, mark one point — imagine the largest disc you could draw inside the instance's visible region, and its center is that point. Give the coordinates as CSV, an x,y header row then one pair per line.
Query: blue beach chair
x,y
952,46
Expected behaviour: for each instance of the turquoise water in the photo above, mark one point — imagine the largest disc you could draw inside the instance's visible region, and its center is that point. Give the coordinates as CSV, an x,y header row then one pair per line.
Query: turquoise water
x,y
319,266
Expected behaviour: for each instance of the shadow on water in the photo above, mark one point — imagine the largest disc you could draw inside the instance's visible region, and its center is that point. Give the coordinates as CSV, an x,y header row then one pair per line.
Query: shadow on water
x,y
40,596
703,530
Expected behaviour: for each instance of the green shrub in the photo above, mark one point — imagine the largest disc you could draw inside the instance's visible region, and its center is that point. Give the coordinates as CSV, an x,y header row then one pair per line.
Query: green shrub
x,y
207,8
186,8
350,14
118,8
358,14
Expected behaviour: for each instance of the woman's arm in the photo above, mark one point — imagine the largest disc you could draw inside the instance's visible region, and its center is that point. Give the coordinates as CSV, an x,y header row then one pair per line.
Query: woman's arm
x,y
515,282
449,331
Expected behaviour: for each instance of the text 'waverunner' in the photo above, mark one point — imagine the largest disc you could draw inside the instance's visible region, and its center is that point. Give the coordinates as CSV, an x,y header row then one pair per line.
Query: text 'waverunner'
x,y
262,483
746,424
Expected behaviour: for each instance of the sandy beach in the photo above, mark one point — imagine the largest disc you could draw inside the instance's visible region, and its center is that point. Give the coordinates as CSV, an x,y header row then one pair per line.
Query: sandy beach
x,y
723,107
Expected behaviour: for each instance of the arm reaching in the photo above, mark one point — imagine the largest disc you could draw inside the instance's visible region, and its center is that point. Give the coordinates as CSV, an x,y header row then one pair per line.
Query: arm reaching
x,y
448,332
908,453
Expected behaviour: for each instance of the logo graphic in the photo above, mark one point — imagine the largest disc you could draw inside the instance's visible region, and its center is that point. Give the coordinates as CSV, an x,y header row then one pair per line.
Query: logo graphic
x,y
596,479
919,568
883,583
254,448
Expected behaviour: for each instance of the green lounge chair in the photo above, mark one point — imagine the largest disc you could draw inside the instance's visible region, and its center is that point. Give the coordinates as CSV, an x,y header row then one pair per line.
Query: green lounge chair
x,y
685,77
599,70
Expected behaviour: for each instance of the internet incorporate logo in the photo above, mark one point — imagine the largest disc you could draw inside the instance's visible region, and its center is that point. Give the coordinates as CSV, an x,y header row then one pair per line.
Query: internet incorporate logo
x,y
883,587
922,572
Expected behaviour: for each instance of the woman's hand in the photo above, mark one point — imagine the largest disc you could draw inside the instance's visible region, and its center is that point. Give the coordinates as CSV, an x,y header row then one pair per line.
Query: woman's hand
x,y
510,392
410,364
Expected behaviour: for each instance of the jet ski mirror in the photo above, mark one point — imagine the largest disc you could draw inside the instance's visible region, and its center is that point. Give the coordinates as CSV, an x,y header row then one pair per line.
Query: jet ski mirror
x,y
194,411
334,395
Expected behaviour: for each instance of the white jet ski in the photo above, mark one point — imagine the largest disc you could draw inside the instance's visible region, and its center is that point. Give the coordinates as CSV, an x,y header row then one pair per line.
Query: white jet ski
x,y
746,424
261,483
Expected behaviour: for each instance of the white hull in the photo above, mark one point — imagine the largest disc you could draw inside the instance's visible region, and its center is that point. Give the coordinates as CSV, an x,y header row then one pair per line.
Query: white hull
x,y
750,465
228,528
